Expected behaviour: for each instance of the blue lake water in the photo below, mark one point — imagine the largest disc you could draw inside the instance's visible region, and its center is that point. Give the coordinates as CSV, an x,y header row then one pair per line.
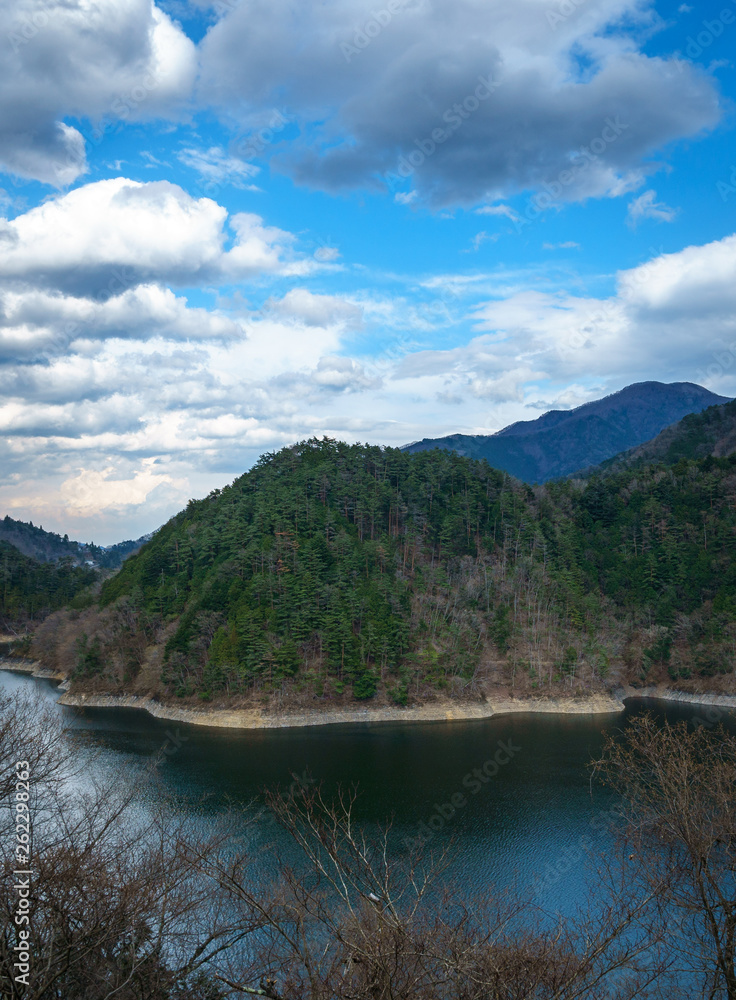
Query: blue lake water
x,y
510,795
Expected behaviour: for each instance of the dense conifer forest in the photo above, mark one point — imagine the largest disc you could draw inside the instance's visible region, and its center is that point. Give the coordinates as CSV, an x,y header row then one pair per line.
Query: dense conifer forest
x,y
351,570
30,590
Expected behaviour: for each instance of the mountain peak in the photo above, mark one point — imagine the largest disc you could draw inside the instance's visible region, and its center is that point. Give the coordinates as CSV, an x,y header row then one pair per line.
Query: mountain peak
x,y
561,442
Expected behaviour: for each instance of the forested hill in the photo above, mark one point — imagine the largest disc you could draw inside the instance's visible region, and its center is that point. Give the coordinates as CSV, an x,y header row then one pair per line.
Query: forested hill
x,y
47,546
698,435
332,571
29,590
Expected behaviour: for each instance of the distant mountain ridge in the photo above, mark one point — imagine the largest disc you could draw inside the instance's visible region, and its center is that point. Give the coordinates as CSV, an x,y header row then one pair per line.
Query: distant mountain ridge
x,y
562,442
47,546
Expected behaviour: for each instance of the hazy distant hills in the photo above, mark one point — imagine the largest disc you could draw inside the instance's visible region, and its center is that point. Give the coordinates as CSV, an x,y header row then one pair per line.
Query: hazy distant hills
x,y
46,546
698,435
564,441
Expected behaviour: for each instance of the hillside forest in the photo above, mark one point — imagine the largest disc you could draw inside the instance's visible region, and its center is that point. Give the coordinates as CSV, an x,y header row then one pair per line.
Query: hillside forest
x,y
334,571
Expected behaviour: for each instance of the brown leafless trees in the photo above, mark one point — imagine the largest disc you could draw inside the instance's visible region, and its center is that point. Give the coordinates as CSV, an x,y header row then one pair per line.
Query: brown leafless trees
x,y
132,901
115,907
679,787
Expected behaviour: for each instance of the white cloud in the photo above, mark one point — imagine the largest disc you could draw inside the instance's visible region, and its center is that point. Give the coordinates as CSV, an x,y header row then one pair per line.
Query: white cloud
x,y
103,60
310,309
92,491
146,376
666,320
567,245
217,168
38,322
647,207
505,210
479,239
104,237
326,254
259,249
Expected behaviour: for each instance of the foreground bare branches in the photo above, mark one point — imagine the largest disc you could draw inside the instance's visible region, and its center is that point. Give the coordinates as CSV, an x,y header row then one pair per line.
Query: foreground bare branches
x,y
130,901
680,790
359,921
116,909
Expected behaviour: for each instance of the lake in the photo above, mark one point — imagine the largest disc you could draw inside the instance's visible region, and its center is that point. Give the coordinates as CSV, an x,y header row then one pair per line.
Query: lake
x,y
512,794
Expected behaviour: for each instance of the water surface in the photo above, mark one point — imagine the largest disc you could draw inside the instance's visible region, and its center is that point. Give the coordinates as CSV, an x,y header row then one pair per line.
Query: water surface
x,y
512,794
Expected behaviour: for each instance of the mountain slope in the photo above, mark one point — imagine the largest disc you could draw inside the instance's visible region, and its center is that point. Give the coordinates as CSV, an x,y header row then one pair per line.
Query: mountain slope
x,y
564,441
699,435
30,590
47,546
332,571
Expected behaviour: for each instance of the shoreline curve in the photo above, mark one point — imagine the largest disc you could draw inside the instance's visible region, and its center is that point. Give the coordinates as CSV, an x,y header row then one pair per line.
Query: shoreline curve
x,y
441,711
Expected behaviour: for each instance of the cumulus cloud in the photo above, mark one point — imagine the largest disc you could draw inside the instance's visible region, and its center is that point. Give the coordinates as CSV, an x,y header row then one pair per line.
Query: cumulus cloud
x,y
479,239
343,374
95,490
96,60
672,318
666,320
470,100
505,210
37,323
207,405
107,236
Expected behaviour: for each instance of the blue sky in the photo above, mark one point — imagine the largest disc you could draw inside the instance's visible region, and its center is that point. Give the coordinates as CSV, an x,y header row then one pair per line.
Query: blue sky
x,y
232,225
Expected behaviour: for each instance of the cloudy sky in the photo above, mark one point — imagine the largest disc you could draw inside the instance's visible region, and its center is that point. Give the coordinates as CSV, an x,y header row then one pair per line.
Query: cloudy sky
x,y
226,226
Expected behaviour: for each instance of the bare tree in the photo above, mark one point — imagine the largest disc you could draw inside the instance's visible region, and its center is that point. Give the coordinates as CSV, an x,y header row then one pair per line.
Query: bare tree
x,y
135,902
115,909
359,921
679,788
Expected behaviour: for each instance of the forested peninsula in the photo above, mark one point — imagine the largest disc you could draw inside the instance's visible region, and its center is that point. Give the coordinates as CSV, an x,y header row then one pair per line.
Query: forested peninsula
x,y
332,574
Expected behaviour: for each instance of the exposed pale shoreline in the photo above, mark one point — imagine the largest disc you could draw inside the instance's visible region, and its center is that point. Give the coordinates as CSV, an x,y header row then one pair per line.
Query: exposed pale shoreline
x,y
20,666
444,711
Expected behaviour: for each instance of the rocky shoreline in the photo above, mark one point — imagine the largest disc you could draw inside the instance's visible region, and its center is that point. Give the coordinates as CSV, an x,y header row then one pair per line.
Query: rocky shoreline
x,y
440,711
18,665
445,711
